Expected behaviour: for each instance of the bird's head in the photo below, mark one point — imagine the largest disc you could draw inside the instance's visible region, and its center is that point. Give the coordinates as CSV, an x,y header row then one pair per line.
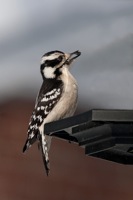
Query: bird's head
x,y
53,62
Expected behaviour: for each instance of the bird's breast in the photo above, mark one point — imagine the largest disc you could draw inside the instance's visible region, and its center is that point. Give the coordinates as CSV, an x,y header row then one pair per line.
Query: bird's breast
x,y
67,104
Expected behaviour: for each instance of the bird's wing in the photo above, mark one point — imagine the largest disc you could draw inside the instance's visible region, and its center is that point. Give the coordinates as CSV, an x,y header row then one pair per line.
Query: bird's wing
x,y
46,100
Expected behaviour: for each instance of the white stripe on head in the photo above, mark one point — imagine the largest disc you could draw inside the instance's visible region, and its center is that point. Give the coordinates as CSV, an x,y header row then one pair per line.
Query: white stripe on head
x,y
49,72
50,57
43,60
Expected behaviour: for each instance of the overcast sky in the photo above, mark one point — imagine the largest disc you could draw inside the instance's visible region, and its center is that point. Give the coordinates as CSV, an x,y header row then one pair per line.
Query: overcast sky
x,y
101,29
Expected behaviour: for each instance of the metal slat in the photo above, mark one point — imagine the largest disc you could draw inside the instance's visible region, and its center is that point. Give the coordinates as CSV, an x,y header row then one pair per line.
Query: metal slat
x,y
106,134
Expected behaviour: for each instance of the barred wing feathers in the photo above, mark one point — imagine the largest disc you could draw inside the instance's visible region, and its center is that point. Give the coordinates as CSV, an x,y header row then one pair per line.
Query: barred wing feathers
x,y
48,97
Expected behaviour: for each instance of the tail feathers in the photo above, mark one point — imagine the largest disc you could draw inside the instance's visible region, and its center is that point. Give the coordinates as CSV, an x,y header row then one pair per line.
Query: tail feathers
x,y
46,162
44,145
29,142
44,149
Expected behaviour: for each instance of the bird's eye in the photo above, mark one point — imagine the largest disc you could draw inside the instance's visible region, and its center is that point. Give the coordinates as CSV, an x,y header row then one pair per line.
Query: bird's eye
x,y
60,58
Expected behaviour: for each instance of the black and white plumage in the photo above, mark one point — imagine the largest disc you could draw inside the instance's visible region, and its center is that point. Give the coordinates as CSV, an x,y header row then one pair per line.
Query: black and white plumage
x,y
57,98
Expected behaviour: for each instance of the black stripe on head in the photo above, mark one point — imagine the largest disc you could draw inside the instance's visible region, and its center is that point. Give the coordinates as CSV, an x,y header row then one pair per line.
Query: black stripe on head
x,y
53,62
52,52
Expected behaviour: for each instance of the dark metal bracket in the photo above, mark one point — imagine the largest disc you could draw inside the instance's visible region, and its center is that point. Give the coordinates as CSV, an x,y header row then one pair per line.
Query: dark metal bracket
x,y
106,134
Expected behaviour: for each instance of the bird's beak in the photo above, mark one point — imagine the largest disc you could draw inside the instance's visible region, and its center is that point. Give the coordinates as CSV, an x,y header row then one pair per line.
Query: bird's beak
x,y
73,56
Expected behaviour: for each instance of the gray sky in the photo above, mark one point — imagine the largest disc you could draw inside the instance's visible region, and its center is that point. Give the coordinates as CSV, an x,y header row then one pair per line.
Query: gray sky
x,y
101,29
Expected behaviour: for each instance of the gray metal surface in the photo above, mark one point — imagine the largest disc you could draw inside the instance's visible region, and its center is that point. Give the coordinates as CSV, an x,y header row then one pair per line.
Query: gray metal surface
x,y
106,134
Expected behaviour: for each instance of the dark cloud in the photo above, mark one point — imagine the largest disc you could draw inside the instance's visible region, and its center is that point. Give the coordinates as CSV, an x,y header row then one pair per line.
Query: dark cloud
x,y
100,29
